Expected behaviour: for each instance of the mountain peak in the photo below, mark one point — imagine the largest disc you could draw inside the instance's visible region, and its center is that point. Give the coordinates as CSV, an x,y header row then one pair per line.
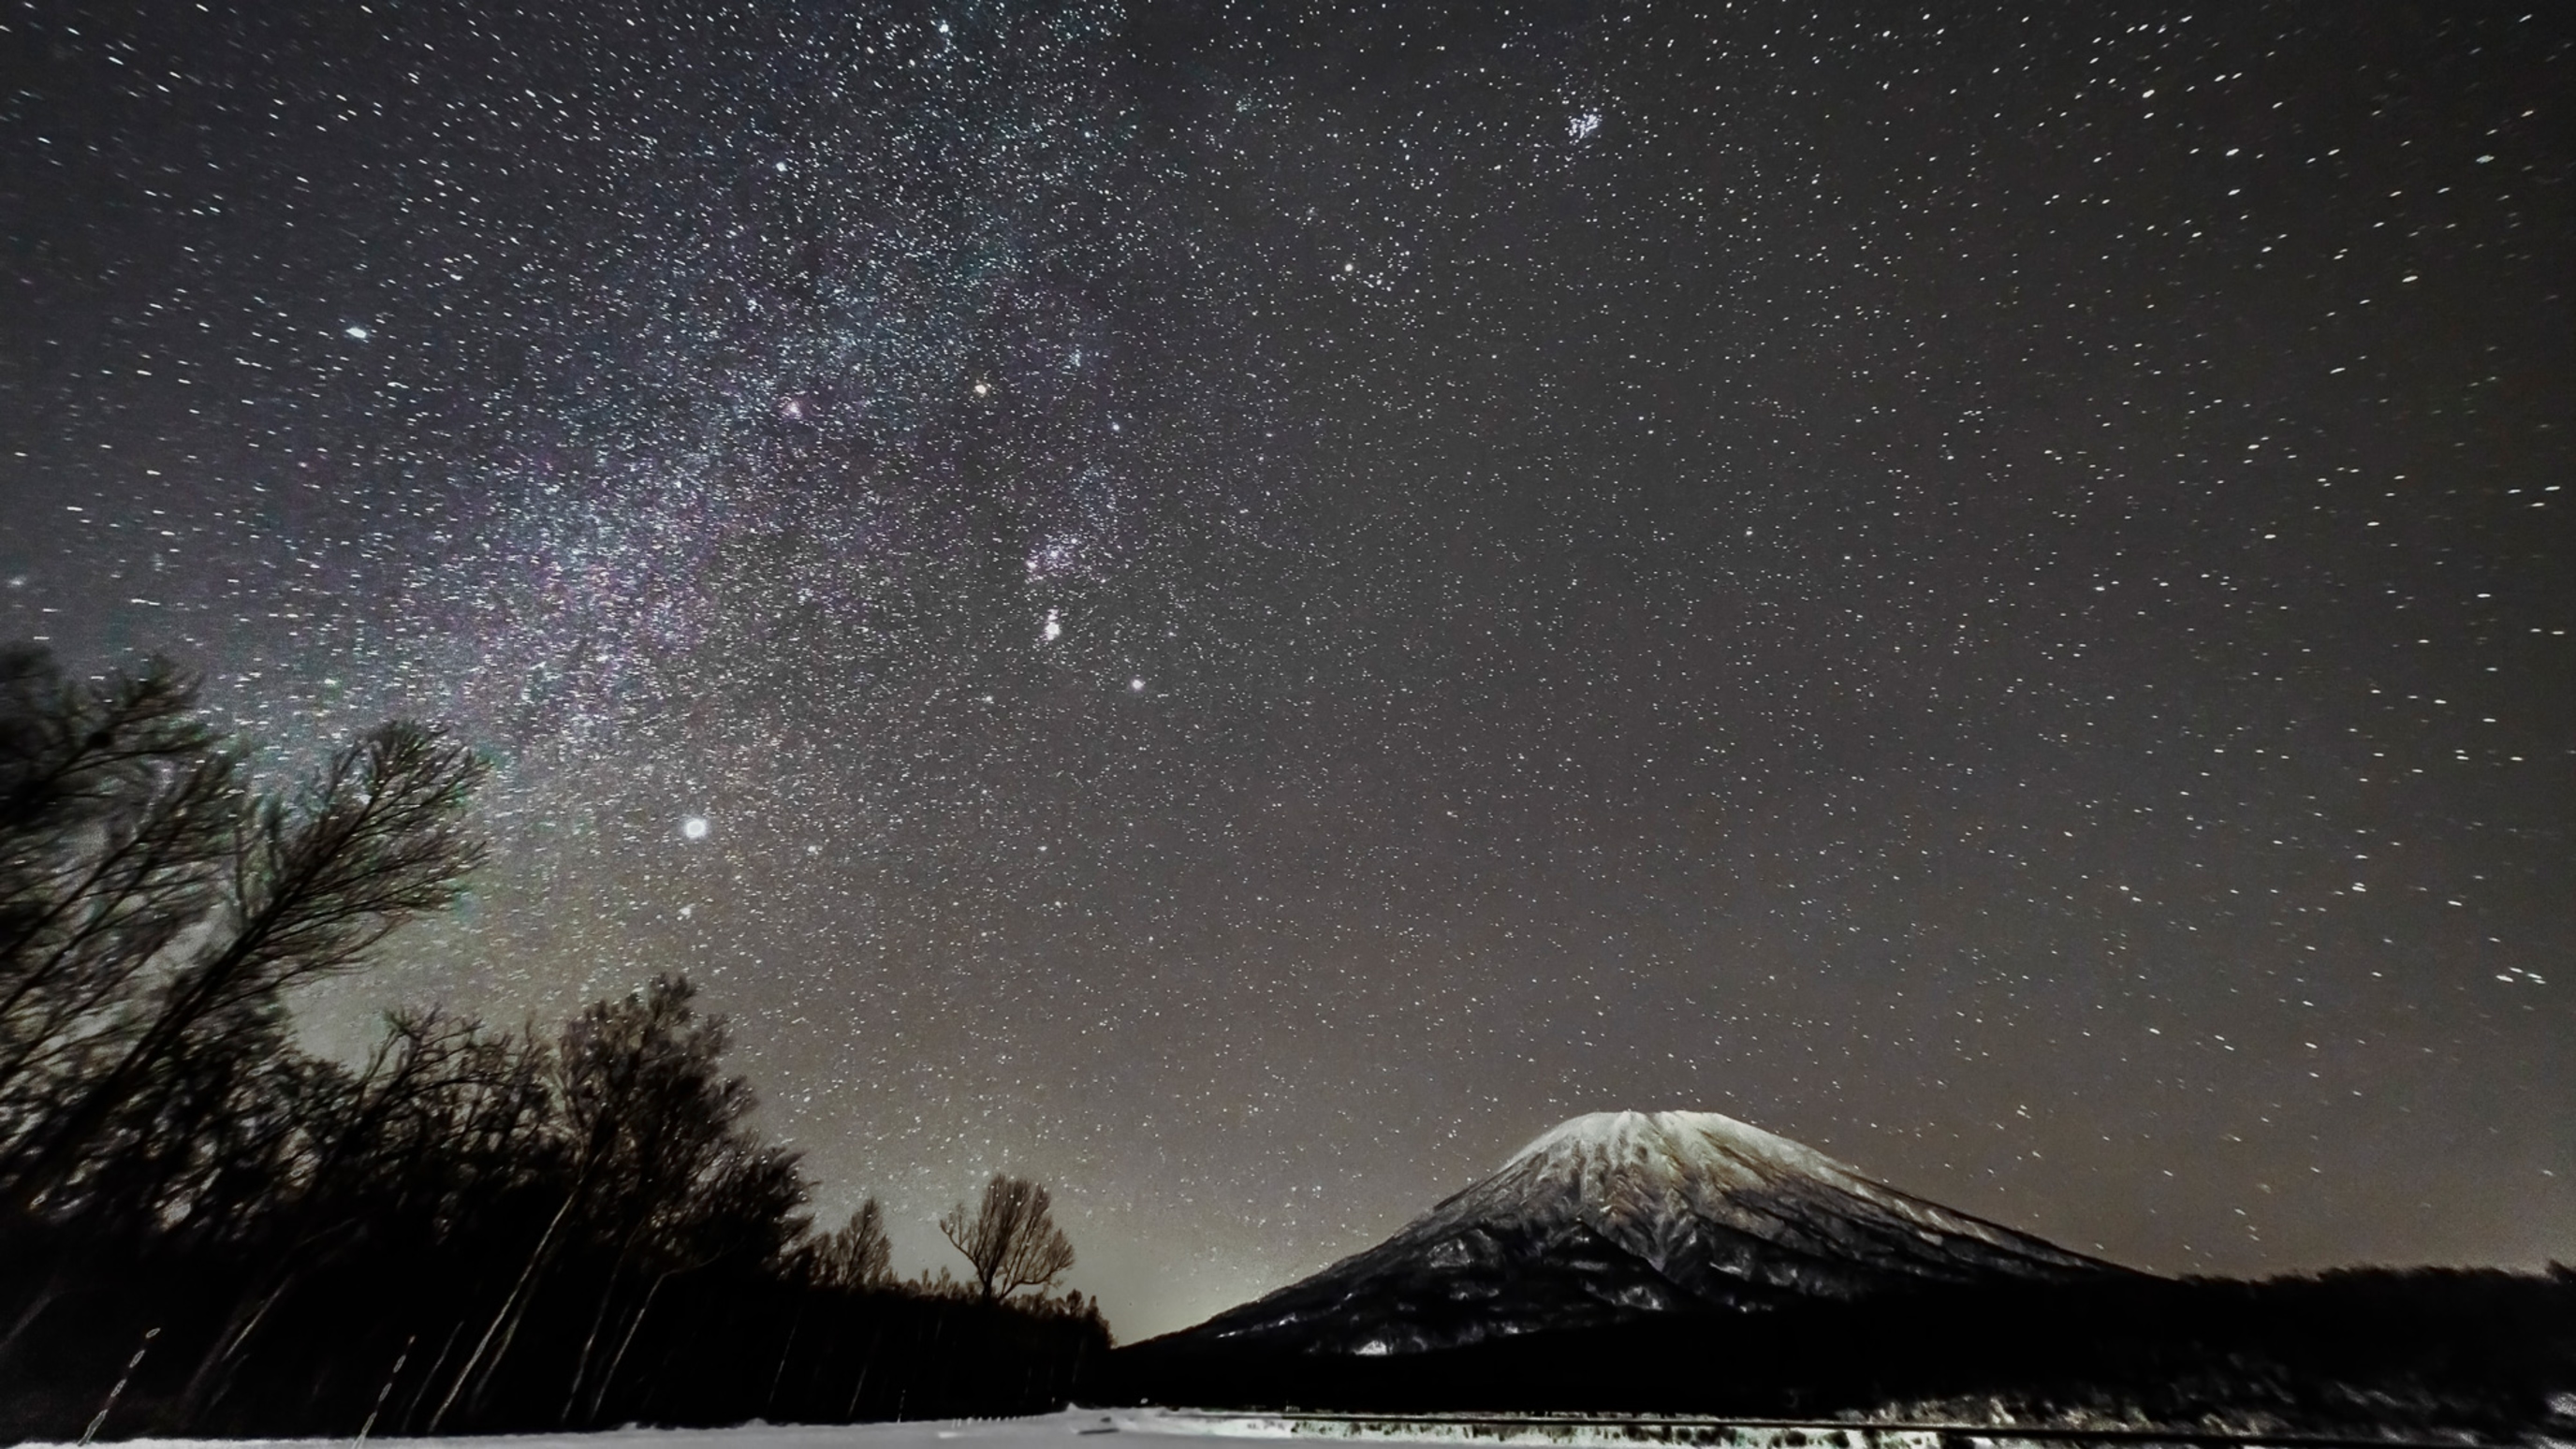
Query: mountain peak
x,y
1647,1135
1612,1216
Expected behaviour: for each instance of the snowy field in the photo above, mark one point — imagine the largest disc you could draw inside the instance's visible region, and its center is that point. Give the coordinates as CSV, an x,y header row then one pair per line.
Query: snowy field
x,y
1059,1431
1056,1431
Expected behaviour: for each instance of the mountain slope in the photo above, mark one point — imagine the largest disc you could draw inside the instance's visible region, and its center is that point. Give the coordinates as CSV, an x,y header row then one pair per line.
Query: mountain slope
x,y
1619,1215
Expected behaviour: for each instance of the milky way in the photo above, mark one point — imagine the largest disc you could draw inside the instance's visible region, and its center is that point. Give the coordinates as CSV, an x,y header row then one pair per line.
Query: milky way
x,y
1241,608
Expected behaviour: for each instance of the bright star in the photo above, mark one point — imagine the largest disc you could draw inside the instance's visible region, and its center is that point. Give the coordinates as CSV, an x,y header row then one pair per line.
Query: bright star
x,y
695,827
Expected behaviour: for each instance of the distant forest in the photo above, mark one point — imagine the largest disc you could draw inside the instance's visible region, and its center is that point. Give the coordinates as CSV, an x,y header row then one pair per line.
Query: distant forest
x,y
2427,1353
205,1230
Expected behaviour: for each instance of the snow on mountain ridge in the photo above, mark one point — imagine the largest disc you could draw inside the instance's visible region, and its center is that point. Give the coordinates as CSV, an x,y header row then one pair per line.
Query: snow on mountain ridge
x,y
1641,1134
1695,1152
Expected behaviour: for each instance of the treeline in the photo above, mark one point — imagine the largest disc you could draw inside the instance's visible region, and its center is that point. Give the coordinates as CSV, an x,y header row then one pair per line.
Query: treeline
x,y
205,1230
2364,1352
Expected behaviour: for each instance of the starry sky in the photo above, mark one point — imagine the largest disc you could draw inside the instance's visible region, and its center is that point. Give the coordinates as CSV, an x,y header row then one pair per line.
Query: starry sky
x,y
1240,607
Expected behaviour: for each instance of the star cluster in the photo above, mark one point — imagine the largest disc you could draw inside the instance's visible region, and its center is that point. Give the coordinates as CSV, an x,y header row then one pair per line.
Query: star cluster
x,y
1239,607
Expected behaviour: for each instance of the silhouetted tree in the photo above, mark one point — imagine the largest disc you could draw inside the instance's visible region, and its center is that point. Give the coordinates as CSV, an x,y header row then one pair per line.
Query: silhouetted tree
x,y
857,1254
304,888
118,808
468,1227
661,1169
371,1153
1010,1238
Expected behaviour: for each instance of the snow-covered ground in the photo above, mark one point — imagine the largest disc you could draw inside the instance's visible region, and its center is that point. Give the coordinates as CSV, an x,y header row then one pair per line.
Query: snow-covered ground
x,y
1551,1431
1052,1431
1061,1431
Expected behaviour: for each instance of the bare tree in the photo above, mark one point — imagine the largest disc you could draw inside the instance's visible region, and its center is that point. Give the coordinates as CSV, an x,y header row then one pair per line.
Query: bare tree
x,y
1010,1238
660,1169
118,805
306,890
855,1255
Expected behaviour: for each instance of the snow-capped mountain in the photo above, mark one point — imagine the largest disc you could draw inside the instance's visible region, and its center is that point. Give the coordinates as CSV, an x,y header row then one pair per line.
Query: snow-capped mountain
x,y
1618,1215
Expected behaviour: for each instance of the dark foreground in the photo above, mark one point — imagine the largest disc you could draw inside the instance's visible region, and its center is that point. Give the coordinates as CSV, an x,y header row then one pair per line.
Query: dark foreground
x,y
2487,1354
715,1350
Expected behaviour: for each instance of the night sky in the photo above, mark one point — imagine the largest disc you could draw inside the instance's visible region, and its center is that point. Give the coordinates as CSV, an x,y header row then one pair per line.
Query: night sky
x,y
1241,607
